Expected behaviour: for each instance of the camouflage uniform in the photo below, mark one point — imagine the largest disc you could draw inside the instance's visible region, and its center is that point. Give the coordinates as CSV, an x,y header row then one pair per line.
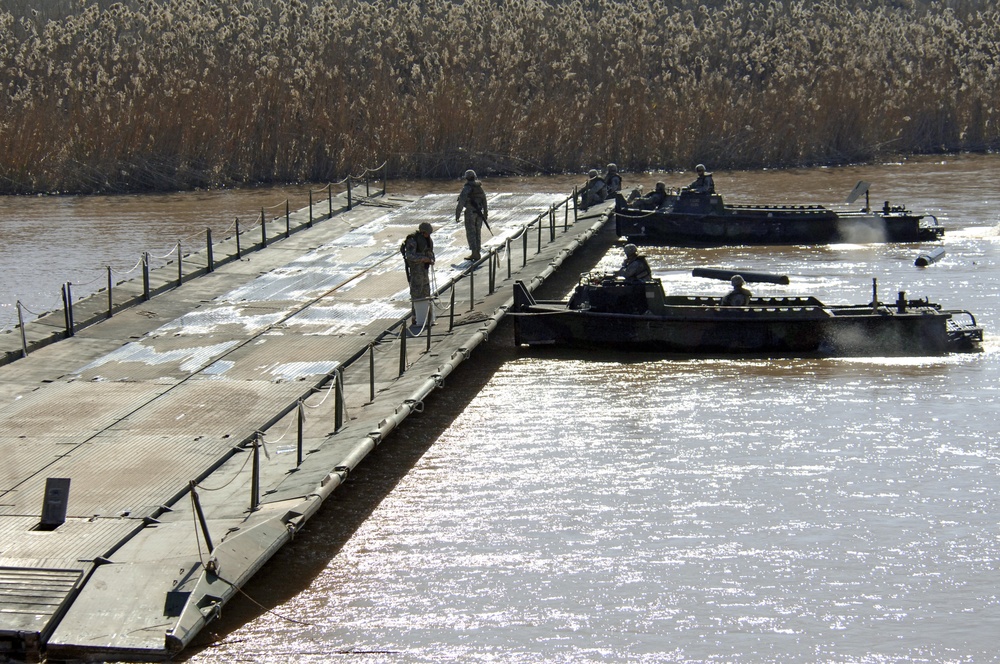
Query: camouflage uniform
x,y
472,200
419,256
704,184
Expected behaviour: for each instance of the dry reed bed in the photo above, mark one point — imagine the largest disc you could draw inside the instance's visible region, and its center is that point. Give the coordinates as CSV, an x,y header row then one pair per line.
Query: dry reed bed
x,y
163,94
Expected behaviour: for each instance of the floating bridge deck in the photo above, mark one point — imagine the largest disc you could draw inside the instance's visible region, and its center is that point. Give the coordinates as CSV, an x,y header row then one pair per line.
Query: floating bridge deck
x,y
203,423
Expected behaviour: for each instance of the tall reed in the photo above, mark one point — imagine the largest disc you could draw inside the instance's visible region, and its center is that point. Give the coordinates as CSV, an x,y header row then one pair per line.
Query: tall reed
x,y
165,94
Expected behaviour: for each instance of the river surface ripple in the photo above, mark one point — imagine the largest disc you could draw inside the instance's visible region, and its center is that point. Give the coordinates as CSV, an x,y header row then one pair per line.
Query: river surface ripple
x,y
568,507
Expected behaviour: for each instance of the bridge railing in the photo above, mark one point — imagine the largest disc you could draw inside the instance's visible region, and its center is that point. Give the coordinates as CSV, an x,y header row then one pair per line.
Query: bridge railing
x,y
123,290
529,238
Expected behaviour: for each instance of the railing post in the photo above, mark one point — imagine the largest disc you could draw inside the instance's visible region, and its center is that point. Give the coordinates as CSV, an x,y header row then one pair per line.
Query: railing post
x,y
145,275
310,208
552,224
371,373
575,208
111,302
472,287
338,404
70,325
566,217
329,197
301,417
429,323
508,258
451,310
385,174
288,220
208,249
239,254
201,516
180,264
348,193
255,475
402,348
263,229
539,221
524,253
493,272
24,338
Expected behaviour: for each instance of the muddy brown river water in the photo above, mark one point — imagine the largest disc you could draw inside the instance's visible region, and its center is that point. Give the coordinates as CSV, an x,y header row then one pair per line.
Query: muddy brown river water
x,y
564,507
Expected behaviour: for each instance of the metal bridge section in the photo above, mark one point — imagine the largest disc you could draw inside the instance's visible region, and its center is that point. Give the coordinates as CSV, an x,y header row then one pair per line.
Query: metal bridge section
x,y
201,429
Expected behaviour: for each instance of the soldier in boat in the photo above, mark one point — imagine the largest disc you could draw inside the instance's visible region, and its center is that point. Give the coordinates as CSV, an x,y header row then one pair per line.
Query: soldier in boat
x,y
653,200
613,181
704,184
634,267
594,191
740,295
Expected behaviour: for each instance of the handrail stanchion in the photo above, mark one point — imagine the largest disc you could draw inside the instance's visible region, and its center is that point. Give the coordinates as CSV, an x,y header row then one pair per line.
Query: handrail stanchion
x,y
508,259
368,193
493,272
239,254
263,229
111,302
524,241
552,224
385,174
371,373
338,404
255,474
539,222
208,249
20,324
429,323
329,197
201,516
70,325
349,193
451,310
565,216
402,348
310,209
301,417
145,276
472,287
288,220
180,264
575,207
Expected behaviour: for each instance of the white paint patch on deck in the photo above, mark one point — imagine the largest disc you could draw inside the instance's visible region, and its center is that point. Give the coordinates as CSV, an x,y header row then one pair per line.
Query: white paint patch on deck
x,y
297,370
207,321
346,317
188,359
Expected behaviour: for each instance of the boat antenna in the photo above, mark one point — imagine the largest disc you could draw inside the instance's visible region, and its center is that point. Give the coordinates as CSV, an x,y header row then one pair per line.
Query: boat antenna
x,y
860,188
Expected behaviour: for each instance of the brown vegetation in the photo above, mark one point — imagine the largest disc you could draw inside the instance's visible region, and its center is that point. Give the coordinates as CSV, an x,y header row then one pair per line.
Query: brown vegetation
x,y
164,94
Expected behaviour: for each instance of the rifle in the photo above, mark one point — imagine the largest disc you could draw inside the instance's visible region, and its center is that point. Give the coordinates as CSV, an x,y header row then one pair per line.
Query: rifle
x,y
482,216
478,210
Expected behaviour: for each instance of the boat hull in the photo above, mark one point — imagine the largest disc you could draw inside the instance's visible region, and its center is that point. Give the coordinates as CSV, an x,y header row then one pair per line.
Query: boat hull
x,y
706,221
770,326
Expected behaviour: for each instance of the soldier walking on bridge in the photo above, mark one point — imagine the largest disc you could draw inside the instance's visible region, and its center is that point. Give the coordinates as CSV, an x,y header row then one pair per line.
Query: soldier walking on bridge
x,y
472,200
418,252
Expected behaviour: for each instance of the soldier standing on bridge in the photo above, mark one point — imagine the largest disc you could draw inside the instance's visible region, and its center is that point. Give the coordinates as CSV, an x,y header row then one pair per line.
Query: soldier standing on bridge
x,y
418,252
473,201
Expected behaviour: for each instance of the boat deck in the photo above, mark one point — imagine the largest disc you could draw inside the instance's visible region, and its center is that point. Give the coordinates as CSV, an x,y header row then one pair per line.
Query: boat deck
x,y
201,428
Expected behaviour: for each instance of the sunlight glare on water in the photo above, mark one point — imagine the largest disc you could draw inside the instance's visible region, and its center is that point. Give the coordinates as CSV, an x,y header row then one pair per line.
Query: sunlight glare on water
x,y
598,508
651,510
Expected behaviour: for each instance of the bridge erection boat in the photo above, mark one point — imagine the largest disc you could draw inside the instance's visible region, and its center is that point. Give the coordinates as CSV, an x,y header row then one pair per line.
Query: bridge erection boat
x,y
688,218
608,313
